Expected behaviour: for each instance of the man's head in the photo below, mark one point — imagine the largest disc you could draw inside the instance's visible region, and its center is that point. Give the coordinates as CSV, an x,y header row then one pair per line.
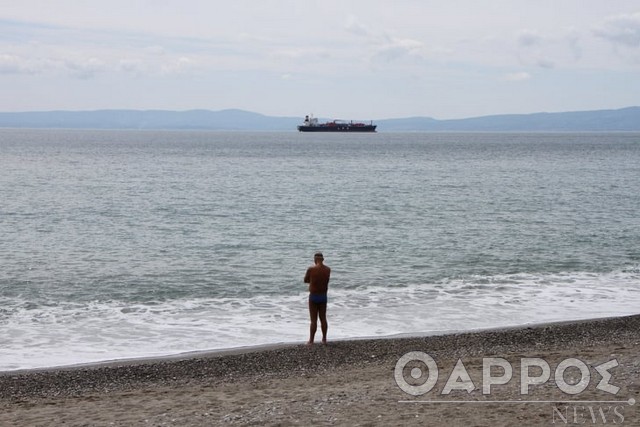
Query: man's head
x,y
318,257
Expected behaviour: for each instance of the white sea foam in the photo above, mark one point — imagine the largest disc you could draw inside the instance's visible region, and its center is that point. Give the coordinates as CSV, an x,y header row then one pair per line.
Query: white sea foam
x,y
66,334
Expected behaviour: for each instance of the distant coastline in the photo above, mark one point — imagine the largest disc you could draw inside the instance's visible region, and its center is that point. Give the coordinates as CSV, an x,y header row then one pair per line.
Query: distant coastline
x,y
624,119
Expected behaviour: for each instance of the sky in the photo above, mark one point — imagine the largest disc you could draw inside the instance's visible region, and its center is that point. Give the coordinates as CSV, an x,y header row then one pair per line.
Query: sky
x,y
368,59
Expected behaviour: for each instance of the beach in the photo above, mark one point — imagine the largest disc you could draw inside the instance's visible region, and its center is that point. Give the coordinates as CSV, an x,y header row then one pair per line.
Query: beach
x,y
344,383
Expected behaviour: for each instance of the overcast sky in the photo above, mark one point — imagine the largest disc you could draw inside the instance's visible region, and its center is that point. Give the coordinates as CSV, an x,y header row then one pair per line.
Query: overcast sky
x,y
367,59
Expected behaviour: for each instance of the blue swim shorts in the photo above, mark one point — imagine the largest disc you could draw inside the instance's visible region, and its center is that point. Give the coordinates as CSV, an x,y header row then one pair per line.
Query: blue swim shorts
x,y
318,298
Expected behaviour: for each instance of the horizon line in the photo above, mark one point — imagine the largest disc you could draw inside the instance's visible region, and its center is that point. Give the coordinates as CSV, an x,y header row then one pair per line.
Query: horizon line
x,y
240,110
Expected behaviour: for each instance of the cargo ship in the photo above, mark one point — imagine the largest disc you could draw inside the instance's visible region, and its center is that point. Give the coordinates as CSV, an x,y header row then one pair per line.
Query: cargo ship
x,y
311,125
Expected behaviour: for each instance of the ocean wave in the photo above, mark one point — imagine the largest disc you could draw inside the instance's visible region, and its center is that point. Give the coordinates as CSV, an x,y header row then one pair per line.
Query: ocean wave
x,y
64,333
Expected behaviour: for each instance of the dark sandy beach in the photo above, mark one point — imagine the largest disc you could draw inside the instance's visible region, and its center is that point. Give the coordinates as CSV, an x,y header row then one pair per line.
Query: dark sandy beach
x,y
344,383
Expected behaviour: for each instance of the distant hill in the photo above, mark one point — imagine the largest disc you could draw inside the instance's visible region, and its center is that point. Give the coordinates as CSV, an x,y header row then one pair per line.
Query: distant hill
x,y
148,119
625,119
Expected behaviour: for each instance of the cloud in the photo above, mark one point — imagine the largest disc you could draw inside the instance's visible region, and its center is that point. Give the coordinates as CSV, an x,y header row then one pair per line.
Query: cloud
x,y
573,41
24,64
85,68
79,68
621,30
299,53
527,38
155,50
417,46
382,46
131,65
12,64
533,49
518,76
545,63
396,48
354,26
178,66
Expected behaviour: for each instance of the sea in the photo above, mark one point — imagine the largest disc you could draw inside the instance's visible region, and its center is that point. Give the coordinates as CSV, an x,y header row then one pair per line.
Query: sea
x,y
129,244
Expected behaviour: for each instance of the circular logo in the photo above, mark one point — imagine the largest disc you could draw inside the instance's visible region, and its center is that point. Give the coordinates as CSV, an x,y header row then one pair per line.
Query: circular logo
x,y
432,378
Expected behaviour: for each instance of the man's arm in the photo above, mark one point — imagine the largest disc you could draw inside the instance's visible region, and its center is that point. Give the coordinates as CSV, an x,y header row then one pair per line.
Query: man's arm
x,y
307,277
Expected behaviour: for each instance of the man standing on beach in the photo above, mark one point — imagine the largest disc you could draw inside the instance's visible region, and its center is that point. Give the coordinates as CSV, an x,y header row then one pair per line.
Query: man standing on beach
x,y
318,279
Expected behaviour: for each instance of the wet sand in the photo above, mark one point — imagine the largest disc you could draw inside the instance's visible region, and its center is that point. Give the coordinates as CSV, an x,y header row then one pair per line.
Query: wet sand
x,y
342,383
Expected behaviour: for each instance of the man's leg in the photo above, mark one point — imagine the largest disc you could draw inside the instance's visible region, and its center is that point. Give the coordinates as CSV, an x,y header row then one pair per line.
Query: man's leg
x,y
322,312
313,314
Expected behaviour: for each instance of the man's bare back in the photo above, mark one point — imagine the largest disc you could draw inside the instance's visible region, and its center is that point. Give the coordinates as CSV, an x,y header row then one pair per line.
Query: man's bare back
x,y
318,279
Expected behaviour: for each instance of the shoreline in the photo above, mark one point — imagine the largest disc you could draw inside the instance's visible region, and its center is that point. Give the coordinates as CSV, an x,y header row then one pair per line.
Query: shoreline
x,y
234,351
586,327
348,382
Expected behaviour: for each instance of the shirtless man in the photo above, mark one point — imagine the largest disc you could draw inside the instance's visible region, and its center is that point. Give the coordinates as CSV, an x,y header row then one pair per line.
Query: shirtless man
x,y
318,279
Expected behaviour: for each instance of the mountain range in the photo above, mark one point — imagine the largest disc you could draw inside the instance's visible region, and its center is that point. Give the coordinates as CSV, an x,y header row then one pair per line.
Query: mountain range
x,y
625,119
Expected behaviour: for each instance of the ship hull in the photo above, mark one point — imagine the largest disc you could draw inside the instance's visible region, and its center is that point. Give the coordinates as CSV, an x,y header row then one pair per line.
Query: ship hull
x,y
337,128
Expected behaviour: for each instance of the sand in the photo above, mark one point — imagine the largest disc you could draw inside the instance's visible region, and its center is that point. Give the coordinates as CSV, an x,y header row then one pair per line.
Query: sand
x,y
347,383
